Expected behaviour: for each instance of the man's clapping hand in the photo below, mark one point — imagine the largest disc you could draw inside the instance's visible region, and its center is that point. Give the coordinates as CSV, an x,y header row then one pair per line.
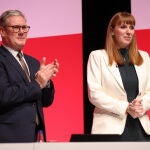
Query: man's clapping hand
x,y
46,72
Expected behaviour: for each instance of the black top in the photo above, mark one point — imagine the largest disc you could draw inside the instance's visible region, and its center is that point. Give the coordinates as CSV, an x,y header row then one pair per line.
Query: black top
x,y
133,130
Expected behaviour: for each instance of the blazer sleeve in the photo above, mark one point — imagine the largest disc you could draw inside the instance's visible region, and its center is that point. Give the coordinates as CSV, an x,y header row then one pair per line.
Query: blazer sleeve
x,y
145,92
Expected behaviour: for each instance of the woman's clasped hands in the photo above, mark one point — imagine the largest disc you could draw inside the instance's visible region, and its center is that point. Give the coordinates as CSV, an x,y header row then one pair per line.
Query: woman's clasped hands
x,y
135,108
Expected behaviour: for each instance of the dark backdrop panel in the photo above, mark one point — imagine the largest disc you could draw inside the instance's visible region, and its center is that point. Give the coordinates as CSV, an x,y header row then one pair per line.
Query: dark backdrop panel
x,y
96,15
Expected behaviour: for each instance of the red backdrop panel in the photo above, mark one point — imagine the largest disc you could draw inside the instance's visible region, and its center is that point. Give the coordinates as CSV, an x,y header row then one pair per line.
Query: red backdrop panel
x,y
143,39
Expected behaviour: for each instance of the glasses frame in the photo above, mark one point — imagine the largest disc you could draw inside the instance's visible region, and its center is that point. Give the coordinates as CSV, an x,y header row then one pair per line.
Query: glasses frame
x,y
18,28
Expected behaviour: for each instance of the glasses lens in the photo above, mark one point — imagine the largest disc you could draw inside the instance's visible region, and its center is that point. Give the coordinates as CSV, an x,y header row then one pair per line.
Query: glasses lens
x,y
17,28
25,28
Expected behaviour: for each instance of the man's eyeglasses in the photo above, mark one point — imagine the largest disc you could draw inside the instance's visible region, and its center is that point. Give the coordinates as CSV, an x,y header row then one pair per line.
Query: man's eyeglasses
x,y
17,28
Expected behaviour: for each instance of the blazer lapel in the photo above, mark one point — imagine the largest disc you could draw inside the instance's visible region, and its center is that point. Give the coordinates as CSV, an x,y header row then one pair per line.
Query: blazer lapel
x,y
114,70
140,77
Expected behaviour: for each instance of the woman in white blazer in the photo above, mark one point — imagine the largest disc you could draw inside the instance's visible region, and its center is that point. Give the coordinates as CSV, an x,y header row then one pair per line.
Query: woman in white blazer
x,y
118,79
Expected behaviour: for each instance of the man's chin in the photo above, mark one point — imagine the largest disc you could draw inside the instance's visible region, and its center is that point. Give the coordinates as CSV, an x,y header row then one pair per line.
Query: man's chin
x,y
20,47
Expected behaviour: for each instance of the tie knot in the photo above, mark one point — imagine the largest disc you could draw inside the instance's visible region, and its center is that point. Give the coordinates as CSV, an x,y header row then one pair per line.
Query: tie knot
x,y
19,55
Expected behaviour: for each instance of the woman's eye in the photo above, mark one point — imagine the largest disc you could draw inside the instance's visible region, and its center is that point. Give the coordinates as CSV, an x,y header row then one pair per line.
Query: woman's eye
x,y
132,27
123,26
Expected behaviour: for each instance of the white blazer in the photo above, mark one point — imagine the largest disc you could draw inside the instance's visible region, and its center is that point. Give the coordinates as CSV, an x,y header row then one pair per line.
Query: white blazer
x,y
106,92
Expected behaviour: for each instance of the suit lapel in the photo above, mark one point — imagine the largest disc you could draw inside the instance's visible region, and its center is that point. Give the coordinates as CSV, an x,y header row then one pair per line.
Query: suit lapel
x,y
14,63
18,67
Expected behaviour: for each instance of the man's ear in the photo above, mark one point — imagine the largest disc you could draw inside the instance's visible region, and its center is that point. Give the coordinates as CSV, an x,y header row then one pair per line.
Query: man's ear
x,y
2,31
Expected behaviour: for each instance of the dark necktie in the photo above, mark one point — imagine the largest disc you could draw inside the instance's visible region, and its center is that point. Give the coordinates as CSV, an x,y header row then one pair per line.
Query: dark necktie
x,y
23,64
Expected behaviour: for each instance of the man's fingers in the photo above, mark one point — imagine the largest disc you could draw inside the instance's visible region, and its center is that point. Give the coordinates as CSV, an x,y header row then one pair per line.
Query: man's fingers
x,y
43,62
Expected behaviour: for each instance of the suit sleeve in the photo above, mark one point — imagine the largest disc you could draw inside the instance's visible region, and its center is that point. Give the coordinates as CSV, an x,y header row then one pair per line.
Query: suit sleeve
x,y
48,95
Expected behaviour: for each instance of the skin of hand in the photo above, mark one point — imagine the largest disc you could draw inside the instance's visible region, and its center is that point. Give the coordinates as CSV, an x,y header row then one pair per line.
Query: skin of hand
x,y
135,108
46,72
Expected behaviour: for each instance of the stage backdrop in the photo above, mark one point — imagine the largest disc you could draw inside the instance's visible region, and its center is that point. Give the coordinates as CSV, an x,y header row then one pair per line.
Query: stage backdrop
x,y
56,32
140,9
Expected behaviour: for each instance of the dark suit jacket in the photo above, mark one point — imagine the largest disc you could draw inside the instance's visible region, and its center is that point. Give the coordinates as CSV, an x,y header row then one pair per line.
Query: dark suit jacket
x,y
20,100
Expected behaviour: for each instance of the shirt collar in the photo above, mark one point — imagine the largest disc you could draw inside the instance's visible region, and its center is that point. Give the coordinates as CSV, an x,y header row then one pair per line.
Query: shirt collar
x,y
12,51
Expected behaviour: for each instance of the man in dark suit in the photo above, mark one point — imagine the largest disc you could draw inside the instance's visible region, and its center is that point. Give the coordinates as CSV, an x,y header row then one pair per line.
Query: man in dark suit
x,y
24,89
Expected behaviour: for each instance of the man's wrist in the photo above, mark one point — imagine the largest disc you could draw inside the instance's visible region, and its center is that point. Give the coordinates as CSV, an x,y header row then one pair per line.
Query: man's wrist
x,y
48,85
